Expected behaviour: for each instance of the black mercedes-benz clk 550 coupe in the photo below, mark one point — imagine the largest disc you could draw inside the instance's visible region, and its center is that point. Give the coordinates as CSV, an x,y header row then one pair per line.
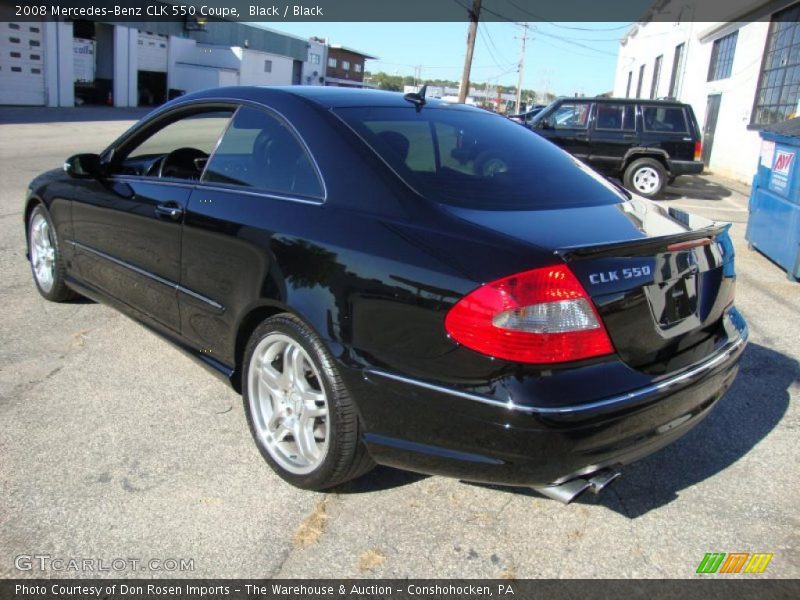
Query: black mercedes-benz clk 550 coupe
x,y
399,281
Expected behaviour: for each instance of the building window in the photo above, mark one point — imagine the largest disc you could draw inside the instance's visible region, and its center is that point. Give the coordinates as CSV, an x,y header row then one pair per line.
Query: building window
x,y
346,65
314,59
641,81
332,63
267,66
357,67
722,57
656,76
628,87
677,72
778,93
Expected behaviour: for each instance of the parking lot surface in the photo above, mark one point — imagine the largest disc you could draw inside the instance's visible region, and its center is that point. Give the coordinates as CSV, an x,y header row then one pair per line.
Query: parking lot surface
x,y
113,444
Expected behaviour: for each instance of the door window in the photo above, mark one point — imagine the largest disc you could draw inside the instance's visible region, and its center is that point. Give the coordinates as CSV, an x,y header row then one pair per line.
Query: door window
x,y
571,115
178,149
259,151
615,117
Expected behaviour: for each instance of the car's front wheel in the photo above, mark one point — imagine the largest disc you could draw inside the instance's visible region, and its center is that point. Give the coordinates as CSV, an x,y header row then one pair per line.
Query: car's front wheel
x,y
301,416
645,176
47,265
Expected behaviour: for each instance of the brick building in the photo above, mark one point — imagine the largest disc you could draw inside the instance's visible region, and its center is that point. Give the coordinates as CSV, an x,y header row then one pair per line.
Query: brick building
x,y
345,67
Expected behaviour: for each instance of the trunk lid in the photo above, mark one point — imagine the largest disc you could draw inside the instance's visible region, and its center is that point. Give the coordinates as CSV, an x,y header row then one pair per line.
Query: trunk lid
x,y
661,278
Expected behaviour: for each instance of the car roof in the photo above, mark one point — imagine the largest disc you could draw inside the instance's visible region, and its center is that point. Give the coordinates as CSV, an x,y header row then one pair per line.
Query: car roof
x,y
326,96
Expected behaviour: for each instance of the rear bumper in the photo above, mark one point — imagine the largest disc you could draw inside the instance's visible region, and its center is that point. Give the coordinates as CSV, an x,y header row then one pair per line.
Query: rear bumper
x,y
685,167
426,427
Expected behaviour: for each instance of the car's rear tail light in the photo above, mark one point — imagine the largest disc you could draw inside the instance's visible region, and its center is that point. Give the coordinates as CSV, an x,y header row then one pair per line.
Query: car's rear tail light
x,y
539,316
698,150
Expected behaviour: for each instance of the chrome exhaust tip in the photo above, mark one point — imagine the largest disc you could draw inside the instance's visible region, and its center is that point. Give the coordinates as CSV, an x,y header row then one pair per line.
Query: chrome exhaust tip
x,y
567,492
603,479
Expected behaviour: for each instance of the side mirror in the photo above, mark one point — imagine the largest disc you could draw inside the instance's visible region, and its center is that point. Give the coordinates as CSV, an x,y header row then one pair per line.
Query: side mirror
x,y
84,166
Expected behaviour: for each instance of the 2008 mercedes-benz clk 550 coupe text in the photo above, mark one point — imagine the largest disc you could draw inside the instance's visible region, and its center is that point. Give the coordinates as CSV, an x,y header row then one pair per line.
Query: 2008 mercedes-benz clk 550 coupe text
x,y
399,281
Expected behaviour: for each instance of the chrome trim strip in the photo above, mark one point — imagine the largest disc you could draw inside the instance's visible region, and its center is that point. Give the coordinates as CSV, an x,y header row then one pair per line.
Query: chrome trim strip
x,y
213,304
126,178
216,305
234,189
620,400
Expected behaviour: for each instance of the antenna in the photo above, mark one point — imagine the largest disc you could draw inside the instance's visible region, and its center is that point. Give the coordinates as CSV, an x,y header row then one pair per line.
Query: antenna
x,y
417,98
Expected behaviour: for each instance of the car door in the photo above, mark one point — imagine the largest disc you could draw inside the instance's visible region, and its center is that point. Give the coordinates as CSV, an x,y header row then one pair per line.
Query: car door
x,y
567,125
613,133
127,227
260,187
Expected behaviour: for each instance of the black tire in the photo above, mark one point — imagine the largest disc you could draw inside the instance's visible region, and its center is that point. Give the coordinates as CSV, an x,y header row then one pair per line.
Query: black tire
x,y
653,168
58,292
347,457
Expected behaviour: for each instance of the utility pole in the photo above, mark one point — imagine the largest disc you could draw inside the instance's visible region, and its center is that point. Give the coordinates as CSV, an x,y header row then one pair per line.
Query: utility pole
x,y
521,69
474,15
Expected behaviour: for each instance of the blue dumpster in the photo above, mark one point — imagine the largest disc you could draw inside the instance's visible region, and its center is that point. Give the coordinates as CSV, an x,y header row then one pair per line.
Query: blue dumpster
x,y
773,226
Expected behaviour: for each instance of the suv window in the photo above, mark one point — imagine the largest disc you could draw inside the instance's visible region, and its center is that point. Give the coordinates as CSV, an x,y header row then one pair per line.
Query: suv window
x,y
615,117
476,159
661,118
258,150
570,115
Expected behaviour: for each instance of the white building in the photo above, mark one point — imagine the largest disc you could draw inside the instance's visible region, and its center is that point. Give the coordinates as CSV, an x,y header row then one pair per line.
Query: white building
x,y
64,63
314,66
738,75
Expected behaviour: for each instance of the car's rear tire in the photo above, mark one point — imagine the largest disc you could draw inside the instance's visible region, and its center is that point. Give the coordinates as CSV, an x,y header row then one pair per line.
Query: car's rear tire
x,y
302,417
47,263
646,177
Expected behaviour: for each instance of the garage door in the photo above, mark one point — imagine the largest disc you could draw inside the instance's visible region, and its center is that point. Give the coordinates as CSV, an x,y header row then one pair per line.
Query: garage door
x,y
152,52
22,63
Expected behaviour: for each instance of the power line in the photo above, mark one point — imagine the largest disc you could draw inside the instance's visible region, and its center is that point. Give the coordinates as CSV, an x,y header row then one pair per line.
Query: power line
x,y
574,43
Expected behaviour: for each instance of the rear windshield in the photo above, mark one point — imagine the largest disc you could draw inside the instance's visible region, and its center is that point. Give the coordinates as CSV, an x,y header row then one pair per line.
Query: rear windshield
x,y
477,159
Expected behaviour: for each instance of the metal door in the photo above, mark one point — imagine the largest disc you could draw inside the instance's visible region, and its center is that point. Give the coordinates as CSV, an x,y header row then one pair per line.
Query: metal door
x,y
712,112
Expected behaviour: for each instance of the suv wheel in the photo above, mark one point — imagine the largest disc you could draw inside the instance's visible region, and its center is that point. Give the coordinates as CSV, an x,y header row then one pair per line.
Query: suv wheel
x,y
302,418
645,176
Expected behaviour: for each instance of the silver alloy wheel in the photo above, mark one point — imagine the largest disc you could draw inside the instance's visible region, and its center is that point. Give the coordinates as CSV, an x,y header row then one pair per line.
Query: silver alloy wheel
x,y
646,180
43,253
288,404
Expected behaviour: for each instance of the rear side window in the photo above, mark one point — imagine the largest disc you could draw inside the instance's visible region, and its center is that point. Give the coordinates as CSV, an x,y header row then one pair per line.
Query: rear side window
x,y
615,117
259,151
475,159
664,119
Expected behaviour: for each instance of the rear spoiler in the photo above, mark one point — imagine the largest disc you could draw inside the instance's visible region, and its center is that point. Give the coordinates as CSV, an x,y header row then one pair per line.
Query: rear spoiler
x,y
646,246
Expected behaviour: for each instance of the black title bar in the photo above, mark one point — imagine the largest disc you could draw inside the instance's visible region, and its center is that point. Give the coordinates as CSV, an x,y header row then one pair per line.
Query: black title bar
x,y
383,10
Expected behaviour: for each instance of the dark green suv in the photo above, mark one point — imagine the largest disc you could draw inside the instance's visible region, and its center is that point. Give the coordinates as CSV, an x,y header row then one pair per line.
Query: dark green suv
x,y
646,143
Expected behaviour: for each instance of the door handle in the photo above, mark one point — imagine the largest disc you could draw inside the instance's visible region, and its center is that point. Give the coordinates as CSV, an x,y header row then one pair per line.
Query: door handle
x,y
581,136
628,136
170,210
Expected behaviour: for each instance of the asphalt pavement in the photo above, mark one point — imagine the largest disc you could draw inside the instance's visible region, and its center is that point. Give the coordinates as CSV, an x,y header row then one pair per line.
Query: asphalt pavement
x,y
114,445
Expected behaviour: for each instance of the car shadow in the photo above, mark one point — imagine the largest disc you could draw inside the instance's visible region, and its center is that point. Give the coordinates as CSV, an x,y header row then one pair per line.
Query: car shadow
x,y
695,187
751,408
380,478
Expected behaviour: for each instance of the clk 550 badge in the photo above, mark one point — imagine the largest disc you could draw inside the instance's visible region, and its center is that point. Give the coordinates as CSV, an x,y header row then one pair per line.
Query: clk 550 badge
x,y
617,275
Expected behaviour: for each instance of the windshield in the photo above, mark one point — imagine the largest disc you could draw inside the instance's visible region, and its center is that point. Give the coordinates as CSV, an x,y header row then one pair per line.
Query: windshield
x,y
477,159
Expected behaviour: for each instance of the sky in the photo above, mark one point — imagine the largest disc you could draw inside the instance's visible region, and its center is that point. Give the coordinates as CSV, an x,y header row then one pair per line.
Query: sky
x,y
563,58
